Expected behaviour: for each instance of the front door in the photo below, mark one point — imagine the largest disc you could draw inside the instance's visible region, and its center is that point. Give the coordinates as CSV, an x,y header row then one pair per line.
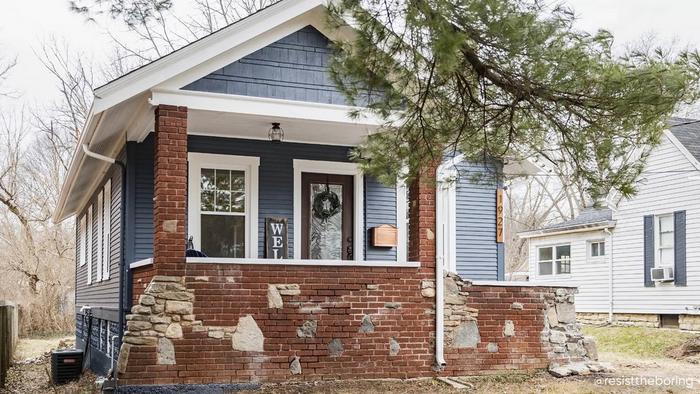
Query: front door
x,y
327,216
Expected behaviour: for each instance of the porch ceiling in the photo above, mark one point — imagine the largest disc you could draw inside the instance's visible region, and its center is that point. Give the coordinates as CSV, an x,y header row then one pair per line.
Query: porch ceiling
x,y
233,125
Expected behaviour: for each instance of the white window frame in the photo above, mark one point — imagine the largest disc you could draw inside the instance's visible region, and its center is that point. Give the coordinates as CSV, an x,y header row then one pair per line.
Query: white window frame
x,y
100,235
82,250
589,247
90,231
657,240
249,165
335,168
553,260
402,221
107,229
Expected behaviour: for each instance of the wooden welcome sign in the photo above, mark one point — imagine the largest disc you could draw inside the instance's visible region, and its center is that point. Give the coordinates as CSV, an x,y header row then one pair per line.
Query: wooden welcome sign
x,y
276,238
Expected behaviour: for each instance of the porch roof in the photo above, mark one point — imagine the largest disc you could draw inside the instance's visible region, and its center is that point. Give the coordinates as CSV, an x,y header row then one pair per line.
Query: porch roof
x,y
122,109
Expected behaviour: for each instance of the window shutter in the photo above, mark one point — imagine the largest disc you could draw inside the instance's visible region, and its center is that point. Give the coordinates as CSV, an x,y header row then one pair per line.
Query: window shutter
x,y
648,249
90,231
679,248
100,236
107,229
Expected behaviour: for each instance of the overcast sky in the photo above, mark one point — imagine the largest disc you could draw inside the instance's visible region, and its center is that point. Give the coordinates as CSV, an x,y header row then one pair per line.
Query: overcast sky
x,y
24,24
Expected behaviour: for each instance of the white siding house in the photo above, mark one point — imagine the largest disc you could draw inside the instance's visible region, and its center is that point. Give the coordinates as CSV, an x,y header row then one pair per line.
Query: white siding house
x,y
658,227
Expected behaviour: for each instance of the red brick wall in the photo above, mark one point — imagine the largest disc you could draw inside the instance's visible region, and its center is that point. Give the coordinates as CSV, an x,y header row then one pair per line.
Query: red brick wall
x,y
170,189
140,278
338,298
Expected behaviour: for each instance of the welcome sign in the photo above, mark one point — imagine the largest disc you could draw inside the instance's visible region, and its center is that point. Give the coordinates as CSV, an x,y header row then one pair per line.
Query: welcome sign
x,y
276,238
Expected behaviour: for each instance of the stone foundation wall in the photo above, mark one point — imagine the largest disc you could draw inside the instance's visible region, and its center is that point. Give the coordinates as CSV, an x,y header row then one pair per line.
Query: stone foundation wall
x,y
140,278
620,319
689,322
239,323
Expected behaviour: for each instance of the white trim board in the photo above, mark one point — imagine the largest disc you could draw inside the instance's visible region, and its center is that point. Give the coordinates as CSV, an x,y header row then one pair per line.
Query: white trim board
x,y
141,263
337,168
250,165
306,262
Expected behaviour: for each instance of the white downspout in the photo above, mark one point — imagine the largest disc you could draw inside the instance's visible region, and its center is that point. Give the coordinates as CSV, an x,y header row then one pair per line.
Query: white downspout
x,y
440,224
610,275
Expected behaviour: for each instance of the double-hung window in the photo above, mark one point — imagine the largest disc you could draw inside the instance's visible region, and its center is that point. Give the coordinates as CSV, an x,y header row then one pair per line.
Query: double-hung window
x,y
665,239
222,204
596,248
554,260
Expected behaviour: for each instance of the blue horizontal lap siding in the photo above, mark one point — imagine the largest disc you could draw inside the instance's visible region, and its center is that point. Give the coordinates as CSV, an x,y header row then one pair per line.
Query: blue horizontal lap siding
x,y
140,202
380,208
477,250
293,68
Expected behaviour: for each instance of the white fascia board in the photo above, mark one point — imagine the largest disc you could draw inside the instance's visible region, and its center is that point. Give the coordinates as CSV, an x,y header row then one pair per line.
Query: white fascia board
x,y
542,234
261,106
76,162
192,55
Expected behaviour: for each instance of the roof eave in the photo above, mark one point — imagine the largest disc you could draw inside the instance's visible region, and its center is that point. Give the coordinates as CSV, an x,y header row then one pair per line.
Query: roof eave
x,y
607,224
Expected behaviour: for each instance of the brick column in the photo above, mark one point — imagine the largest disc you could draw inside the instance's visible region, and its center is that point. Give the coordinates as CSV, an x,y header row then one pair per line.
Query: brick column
x,y
170,190
421,197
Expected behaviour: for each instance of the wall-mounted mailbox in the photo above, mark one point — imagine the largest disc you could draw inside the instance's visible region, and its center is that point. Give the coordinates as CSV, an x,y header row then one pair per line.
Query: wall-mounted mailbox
x,y
384,236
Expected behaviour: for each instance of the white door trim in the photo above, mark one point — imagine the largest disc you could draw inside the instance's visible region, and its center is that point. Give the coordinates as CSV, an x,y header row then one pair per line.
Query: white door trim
x,y
337,168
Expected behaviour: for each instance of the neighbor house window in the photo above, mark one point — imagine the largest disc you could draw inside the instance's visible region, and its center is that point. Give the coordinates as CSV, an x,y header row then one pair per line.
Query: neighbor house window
x,y
554,260
223,205
597,248
665,238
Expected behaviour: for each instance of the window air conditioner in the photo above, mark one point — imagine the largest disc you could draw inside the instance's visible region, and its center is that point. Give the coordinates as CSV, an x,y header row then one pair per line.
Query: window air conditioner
x,y
662,274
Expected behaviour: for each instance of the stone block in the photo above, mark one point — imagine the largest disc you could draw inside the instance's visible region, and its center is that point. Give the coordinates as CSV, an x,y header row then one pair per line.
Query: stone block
x,y
394,347
392,305
123,359
509,328
166,352
141,310
308,329
591,348
160,319
141,341
371,286
557,337
367,326
216,334
552,316
248,337
566,313
174,331
288,289
178,307
274,298
465,335
295,366
492,347
137,325
560,372
163,278
176,296
147,300
335,347
516,306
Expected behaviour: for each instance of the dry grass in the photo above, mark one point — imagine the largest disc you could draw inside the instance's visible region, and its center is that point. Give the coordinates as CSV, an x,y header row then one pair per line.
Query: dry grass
x,y
637,341
35,347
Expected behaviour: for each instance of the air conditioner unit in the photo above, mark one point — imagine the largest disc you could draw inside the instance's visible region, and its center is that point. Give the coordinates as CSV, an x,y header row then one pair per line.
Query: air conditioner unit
x,y
662,274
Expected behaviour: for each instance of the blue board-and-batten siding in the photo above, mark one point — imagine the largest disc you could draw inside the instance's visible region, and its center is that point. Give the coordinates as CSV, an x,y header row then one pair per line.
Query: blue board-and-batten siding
x,y
275,188
479,257
294,68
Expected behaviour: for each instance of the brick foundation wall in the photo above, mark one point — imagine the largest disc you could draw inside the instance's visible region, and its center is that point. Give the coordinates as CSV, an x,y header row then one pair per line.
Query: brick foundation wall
x,y
369,323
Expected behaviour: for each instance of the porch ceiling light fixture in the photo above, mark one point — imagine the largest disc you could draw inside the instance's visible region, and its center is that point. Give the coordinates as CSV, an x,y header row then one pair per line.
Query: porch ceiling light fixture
x,y
275,134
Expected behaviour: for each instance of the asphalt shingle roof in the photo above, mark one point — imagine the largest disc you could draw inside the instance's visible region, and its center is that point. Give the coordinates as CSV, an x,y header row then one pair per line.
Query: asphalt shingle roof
x,y
687,132
588,216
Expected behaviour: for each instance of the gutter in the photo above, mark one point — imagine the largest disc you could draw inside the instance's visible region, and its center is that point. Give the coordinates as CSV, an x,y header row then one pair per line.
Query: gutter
x,y
122,242
440,224
591,227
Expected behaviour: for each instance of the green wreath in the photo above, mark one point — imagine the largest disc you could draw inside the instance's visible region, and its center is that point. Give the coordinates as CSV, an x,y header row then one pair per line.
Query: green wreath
x,y
326,205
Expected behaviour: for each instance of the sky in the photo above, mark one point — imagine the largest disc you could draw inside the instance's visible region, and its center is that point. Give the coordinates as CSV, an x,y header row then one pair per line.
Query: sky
x,y
25,24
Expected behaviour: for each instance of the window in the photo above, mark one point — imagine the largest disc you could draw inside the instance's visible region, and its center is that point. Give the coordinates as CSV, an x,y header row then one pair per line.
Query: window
x,y
664,241
88,255
554,260
106,229
223,204
597,248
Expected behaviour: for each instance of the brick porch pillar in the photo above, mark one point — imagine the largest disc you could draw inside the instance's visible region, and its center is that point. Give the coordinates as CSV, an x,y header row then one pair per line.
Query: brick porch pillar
x,y
421,197
170,190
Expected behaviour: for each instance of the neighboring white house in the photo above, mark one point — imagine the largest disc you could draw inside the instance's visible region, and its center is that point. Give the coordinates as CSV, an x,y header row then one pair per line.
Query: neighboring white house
x,y
638,262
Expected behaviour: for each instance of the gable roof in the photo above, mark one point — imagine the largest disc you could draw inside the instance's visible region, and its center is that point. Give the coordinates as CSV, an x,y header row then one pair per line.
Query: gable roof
x,y
121,109
687,132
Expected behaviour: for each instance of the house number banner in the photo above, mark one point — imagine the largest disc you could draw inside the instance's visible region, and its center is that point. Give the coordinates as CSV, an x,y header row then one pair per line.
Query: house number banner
x,y
276,238
499,215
